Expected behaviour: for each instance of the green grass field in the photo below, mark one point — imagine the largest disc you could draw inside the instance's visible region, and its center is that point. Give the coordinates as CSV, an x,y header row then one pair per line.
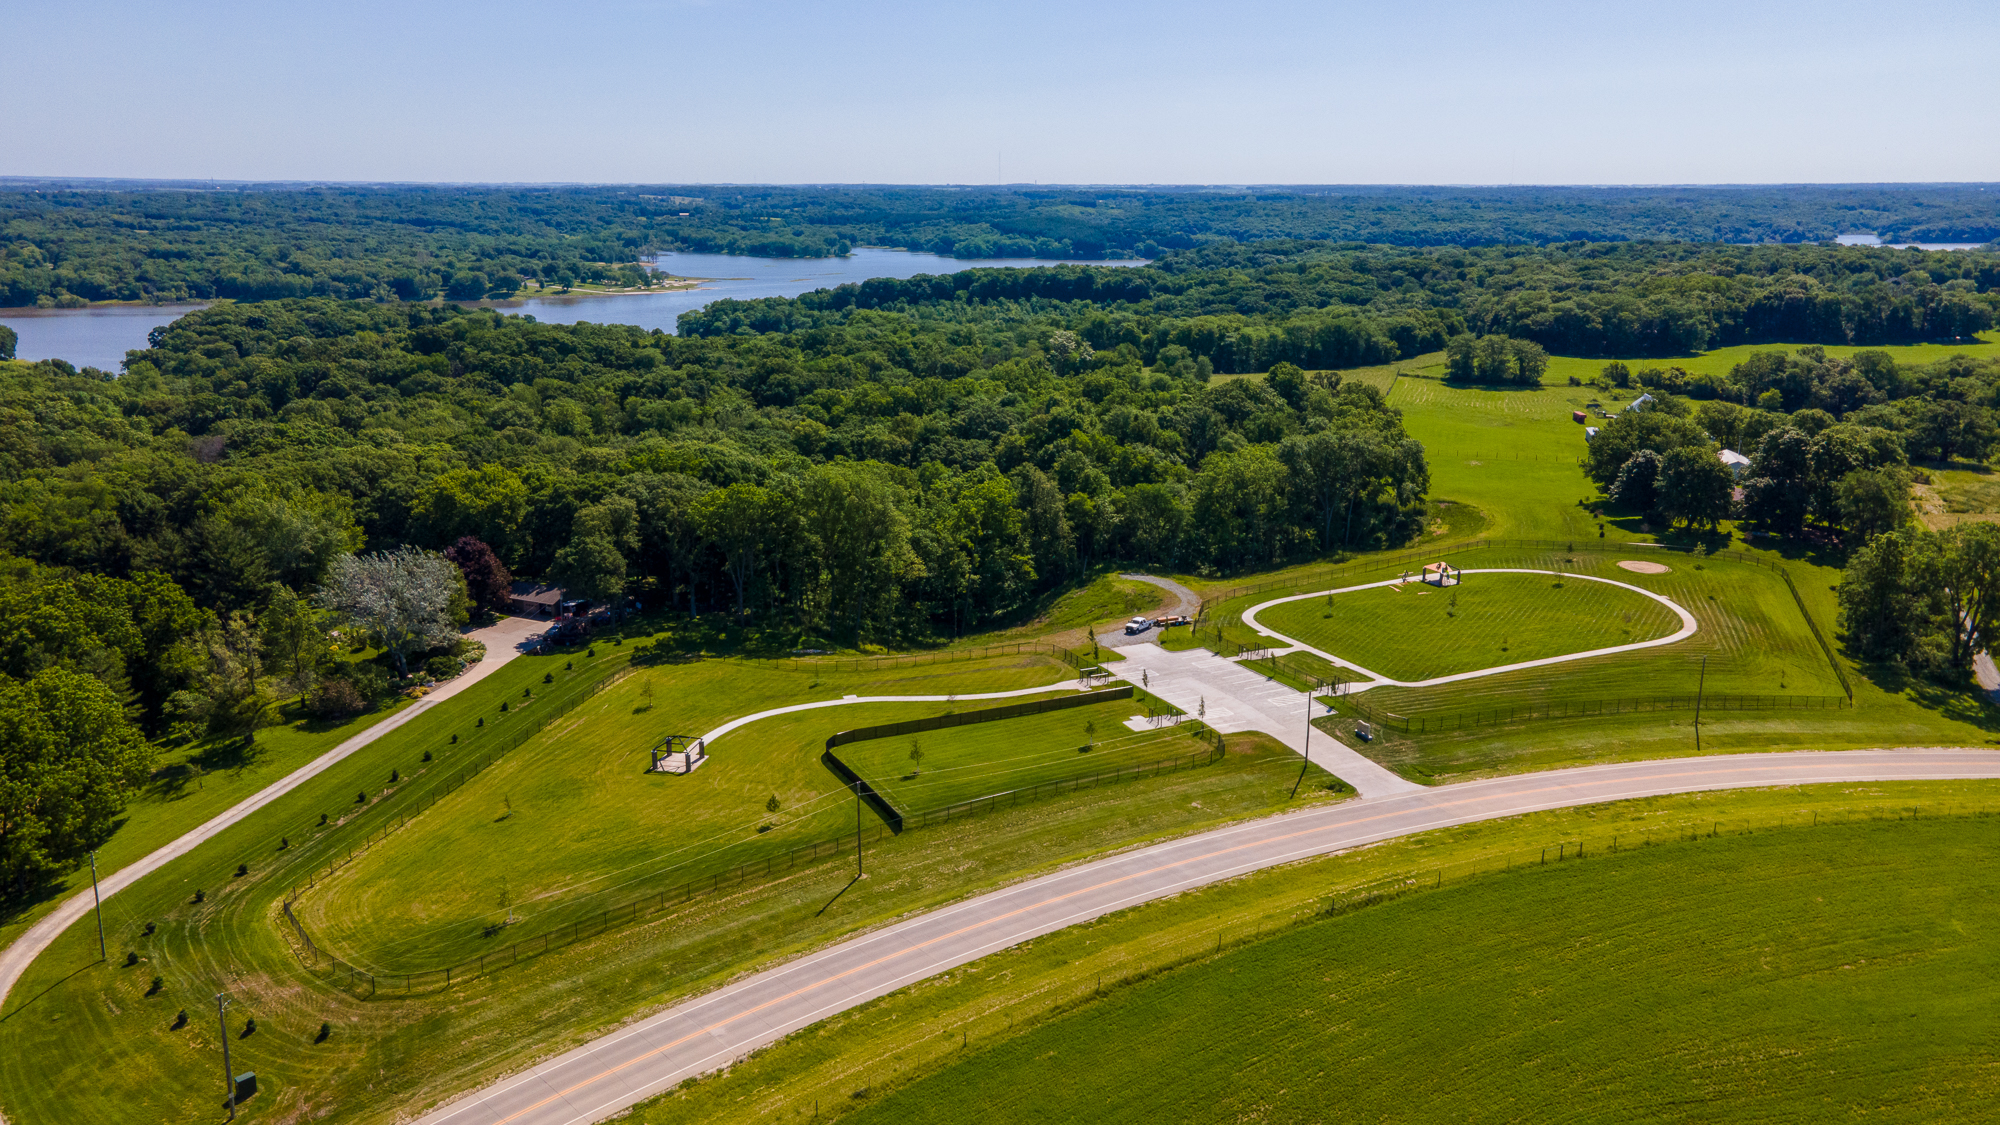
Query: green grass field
x,y
568,820
1830,975
1494,933
391,1053
1417,632
572,822
965,763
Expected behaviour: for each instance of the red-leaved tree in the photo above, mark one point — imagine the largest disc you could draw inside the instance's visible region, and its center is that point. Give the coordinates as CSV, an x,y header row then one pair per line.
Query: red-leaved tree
x,y
486,577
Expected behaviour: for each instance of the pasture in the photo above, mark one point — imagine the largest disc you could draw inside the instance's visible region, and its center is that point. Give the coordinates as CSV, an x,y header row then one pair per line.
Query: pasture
x,y
1415,631
935,769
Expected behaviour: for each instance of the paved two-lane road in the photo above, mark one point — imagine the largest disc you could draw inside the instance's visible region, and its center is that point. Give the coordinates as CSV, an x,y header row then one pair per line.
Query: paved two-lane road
x,y
627,1066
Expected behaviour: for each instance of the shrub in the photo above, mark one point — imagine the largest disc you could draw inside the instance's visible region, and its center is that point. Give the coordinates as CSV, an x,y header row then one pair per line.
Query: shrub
x,y
200,894
441,667
395,776
325,1030
131,958
427,755
150,928
158,984
370,679
242,869
335,699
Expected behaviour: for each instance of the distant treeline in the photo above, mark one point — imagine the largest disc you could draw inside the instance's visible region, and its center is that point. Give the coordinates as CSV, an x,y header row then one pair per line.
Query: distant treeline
x,y
1321,305
62,244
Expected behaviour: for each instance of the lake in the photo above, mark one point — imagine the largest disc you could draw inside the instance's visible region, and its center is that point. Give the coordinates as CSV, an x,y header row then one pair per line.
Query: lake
x,y
100,337
1872,240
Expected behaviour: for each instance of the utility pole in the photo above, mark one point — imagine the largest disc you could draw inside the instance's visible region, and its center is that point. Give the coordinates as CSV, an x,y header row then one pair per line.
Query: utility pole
x,y
1307,764
99,900
228,1072
1699,684
857,830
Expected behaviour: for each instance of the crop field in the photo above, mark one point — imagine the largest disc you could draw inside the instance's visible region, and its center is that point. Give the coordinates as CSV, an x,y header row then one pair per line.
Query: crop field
x,y
573,821
1501,925
1417,632
965,763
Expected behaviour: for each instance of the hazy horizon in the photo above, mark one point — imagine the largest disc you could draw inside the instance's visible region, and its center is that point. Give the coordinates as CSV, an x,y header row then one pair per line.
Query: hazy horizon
x,y
1434,93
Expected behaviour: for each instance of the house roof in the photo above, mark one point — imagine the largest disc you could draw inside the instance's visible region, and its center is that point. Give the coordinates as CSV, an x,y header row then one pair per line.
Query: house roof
x,y
1732,458
536,592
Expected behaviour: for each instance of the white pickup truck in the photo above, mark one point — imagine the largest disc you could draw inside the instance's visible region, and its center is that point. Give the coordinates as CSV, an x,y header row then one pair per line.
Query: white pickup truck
x,y
1138,625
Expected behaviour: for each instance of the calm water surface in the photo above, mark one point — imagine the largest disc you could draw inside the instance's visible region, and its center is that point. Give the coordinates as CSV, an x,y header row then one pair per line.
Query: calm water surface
x,y
1871,240
88,337
100,337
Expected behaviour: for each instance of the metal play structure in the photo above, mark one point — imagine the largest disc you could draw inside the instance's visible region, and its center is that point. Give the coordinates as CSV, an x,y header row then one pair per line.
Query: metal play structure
x,y
679,753
1440,574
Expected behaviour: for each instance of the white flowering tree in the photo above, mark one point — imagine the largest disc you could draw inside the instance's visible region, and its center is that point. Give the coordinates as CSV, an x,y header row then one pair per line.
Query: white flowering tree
x,y
402,598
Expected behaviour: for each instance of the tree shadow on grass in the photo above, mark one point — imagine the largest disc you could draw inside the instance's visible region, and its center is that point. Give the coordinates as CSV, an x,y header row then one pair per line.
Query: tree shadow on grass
x,y
1961,702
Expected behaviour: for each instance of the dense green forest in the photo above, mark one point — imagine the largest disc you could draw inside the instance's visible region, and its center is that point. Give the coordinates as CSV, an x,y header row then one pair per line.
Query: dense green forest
x,y
65,242
888,463
1244,308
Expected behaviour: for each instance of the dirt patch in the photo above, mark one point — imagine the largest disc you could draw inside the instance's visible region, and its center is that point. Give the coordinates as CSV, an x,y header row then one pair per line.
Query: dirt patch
x,y
1643,567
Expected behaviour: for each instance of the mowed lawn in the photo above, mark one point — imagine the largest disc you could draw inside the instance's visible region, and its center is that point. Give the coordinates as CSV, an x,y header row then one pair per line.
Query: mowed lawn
x,y
572,821
1800,975
978,760
1417,632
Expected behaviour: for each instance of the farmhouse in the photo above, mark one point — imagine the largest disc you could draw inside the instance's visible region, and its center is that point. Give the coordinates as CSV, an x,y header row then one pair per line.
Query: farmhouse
x,y
1641,403
1736,461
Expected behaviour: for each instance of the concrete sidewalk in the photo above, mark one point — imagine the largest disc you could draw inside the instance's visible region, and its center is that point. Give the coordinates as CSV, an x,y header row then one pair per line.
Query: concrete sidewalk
x,y
1231,698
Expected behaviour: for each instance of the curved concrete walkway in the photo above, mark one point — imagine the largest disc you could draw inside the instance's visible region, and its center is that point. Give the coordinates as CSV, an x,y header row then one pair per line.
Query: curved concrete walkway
x,y
627,1066
502,643
1376,679
732,724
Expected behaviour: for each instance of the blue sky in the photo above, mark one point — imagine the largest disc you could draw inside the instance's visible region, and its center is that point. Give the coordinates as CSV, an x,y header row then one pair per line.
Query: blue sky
x,y
1258,91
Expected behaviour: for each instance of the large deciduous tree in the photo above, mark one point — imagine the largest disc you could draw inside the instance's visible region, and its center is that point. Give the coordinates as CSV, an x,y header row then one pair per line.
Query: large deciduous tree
x,y
1694,487
486,577
70,758
736,521
402,598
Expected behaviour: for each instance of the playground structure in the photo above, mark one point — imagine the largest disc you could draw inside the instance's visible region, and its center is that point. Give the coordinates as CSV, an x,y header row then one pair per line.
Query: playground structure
x,y
1440,574
679,753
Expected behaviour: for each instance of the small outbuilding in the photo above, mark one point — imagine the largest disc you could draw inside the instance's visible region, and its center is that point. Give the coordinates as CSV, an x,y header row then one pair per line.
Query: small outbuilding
x,y
1643,402
1578,416
1589,433
1736,461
